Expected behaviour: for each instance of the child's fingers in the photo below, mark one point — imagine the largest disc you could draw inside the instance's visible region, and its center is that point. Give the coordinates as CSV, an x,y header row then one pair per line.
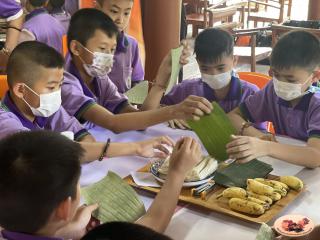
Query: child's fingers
x,y
241,155
186,145
237,141
238,148
166,140
179,124
162,149
172,124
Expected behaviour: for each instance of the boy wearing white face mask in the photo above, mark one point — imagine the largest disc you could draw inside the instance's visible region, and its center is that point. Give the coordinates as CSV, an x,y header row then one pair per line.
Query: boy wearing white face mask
x,y
33,102
89,94
290,102
218,82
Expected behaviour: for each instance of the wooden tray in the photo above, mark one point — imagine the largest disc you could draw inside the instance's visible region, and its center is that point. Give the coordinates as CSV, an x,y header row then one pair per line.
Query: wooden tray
x,y
221,204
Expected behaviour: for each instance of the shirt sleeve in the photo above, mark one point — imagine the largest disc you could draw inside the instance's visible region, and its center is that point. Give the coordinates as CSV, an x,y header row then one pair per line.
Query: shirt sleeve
x,y
10,124
255,107
74,101
137,68
111,98
10,10
61,121
314,118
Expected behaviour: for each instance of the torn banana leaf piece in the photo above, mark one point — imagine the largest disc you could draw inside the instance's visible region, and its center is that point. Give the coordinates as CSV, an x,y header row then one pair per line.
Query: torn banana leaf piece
x,y
214,131
117,200
236,174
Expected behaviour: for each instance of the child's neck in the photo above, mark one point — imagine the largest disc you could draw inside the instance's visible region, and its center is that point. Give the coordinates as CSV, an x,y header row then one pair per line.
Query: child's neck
x,y
222,93
23,107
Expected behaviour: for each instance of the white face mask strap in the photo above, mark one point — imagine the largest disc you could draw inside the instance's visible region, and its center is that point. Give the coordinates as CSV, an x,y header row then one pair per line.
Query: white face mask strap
x,y
31,90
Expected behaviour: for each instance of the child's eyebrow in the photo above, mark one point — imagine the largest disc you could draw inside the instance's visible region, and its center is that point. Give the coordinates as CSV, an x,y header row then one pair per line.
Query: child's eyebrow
x,y
55,82
116,6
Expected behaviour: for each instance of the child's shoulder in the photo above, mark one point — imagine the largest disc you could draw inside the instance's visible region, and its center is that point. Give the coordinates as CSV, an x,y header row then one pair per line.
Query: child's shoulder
x,y
191,82
131,39
248,85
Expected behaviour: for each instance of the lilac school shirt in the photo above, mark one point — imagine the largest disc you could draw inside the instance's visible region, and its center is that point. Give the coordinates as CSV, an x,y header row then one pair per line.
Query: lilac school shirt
x,y
77,97
45,28
63,17
127,68
10,10
7,235
239,91
13,121
300,122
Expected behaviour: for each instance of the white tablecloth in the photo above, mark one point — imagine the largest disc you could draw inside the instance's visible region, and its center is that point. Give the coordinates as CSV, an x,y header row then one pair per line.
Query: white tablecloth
x,y
192,222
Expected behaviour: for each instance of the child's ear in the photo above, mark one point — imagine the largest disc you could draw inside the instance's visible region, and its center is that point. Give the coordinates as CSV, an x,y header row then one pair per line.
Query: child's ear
x,y
235,61
63,211
74,48
316,75
19,90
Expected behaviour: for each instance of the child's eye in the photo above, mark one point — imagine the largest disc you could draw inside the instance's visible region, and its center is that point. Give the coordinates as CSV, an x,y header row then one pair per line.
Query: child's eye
x,y
114,11
127,13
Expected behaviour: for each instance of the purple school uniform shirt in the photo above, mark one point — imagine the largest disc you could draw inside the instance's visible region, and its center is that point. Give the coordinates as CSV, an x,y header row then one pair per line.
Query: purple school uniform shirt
x,y
300,122
7,235
127,68
10,9
45,28
239,91
77,97
12,121
63,17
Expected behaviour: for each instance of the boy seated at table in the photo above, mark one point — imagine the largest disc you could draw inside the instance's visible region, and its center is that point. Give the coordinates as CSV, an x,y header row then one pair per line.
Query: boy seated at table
x,y
40,26
89,95
127,70
40,189
218,81
289,101
33,102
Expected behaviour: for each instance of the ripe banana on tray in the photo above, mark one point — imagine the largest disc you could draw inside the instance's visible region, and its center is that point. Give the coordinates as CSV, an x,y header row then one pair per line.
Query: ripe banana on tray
x,y
246,206
292,181
259,188
277,186
260,197
234,192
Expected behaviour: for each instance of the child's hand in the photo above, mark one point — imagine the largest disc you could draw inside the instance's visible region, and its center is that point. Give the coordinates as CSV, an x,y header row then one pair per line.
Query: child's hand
x,y
179,123
186,154
164,70
193,107
245,148
77,228
147,148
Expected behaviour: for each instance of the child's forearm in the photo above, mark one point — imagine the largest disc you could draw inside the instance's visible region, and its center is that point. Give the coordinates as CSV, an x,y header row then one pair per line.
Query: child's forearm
x,y
160,212
307,156
153,99
13,34
93,151
237,120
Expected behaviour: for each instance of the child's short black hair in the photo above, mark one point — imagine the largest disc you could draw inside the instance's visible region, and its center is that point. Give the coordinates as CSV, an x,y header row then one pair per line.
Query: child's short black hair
x,y
27,57
296,49
37,3
38,170
56,3
85,22
123,231
212,44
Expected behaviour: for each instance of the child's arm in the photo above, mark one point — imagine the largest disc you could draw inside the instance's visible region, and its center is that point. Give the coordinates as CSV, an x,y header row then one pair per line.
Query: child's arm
x,y
192,107
247,148
186,154
149,148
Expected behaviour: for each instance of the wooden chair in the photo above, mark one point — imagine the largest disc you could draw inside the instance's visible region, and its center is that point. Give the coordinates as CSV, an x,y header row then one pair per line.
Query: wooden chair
x,y
276,15
251,54
204,15
278,30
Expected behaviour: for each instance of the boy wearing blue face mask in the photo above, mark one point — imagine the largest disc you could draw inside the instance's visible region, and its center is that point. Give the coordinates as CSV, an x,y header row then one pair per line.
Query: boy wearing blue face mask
x,y
218,82
290,102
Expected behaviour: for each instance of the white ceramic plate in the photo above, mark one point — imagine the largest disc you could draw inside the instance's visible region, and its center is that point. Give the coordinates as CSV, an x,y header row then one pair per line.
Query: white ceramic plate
x,y
157,164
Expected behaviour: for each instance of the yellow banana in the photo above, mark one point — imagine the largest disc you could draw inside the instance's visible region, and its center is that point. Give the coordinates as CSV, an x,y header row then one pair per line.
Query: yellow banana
x,y
293,182
246,206
260,197
277,186
258,187
234,192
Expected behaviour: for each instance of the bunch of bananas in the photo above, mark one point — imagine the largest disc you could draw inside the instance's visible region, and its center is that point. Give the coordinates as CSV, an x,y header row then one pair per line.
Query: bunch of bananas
x,y
260,194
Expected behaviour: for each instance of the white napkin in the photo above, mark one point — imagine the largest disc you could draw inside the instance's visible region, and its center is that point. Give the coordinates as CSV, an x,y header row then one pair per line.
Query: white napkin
x,y
144,179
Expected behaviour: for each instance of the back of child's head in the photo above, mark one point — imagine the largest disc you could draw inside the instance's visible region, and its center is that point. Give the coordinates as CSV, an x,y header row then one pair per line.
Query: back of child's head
x,y
85,22
56,3
123,231
296,49
38,3
38,171
212,44
28,58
